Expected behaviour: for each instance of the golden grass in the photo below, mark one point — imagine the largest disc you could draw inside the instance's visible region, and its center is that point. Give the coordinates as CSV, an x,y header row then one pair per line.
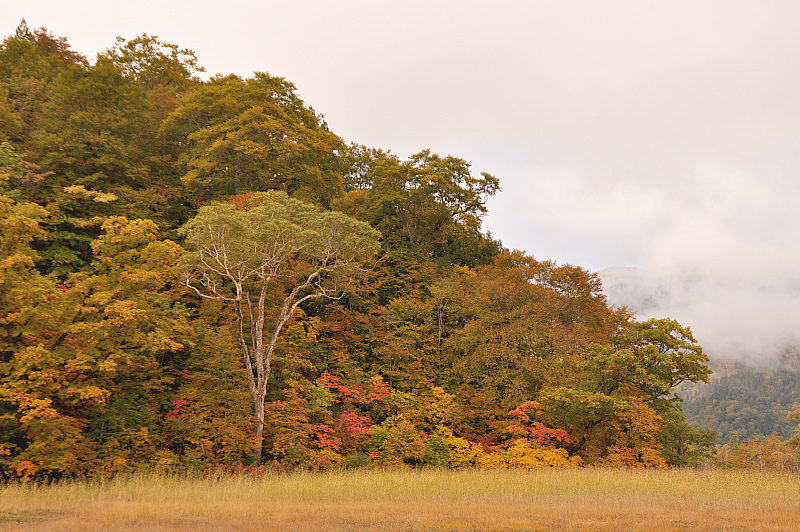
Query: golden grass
x,y
421,500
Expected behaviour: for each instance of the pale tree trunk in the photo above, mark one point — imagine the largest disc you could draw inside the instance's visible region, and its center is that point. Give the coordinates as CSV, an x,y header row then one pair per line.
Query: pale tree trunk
x,y
253,356
258,404
256,355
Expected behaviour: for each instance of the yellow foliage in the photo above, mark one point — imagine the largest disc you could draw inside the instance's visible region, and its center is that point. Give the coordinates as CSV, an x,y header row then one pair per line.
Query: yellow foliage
x,y
636,433
121,313
15,261
99,197
160,341
523,454
761,454
464,453
434,406
398,441
95,393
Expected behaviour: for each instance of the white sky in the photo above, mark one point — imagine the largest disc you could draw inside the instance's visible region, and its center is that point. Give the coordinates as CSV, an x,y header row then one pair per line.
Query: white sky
x,y
663,134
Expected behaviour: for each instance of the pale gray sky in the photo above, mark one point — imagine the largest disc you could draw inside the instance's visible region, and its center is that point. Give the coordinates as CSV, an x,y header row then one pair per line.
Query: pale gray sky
x,y
663,134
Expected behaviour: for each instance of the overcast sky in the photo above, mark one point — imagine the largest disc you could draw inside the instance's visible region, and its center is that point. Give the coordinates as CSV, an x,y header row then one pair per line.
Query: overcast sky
x,y
661,134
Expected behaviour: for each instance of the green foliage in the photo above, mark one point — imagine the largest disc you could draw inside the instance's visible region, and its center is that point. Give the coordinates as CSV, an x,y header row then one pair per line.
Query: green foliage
x,y
437,450
684,444
398,443
794,417
268,238
254,135
241,253
154,64
515,341
751,402
72,351
430,203
30,62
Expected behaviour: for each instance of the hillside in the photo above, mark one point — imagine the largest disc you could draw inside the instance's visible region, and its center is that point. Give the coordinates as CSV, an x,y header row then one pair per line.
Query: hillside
x,y
746,401
200,274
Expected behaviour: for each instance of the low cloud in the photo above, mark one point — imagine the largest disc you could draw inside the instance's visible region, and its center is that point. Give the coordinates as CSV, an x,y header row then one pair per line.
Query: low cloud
x,y
733,317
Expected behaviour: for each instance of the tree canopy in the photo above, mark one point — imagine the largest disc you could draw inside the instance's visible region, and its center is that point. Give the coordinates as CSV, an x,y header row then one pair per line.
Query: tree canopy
x,y
200,273
253,135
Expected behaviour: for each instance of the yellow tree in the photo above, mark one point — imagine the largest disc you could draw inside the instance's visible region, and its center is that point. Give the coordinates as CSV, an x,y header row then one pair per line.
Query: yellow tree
x,y
68,348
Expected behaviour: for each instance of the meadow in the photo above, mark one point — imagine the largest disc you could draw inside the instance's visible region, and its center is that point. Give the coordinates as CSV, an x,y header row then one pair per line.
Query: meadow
x,y
414,500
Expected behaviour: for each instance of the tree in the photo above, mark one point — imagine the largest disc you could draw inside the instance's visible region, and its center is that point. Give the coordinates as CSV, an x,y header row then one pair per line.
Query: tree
x,y
29,64
430,203
240,136
654,357
82,361
517,336
623,406
153,63
683,443
264,247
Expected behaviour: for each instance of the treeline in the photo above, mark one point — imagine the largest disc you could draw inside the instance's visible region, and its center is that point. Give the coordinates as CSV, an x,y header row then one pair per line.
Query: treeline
x,y
385,328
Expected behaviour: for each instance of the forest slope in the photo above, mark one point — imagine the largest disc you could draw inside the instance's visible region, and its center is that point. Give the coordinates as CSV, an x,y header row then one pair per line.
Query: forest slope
x,y
127,185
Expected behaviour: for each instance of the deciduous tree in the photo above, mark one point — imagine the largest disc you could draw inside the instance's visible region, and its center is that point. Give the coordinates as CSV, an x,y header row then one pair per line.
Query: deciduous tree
x,y
254,135
247,254
432,203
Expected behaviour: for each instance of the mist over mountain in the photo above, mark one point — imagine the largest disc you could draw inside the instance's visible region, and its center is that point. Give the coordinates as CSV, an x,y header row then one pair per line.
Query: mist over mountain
x,y
749,319
746,326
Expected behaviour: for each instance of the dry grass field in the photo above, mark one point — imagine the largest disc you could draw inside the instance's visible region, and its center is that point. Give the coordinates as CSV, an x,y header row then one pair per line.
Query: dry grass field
x,y
422,500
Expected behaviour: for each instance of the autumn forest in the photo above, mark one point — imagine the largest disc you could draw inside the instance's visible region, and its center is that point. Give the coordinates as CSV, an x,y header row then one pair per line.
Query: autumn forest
x,y
200,274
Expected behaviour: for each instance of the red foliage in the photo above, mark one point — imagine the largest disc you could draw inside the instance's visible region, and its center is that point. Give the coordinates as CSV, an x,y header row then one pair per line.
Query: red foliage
x,y
364,394
177,407
325,439
521,412
535,430
354,424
